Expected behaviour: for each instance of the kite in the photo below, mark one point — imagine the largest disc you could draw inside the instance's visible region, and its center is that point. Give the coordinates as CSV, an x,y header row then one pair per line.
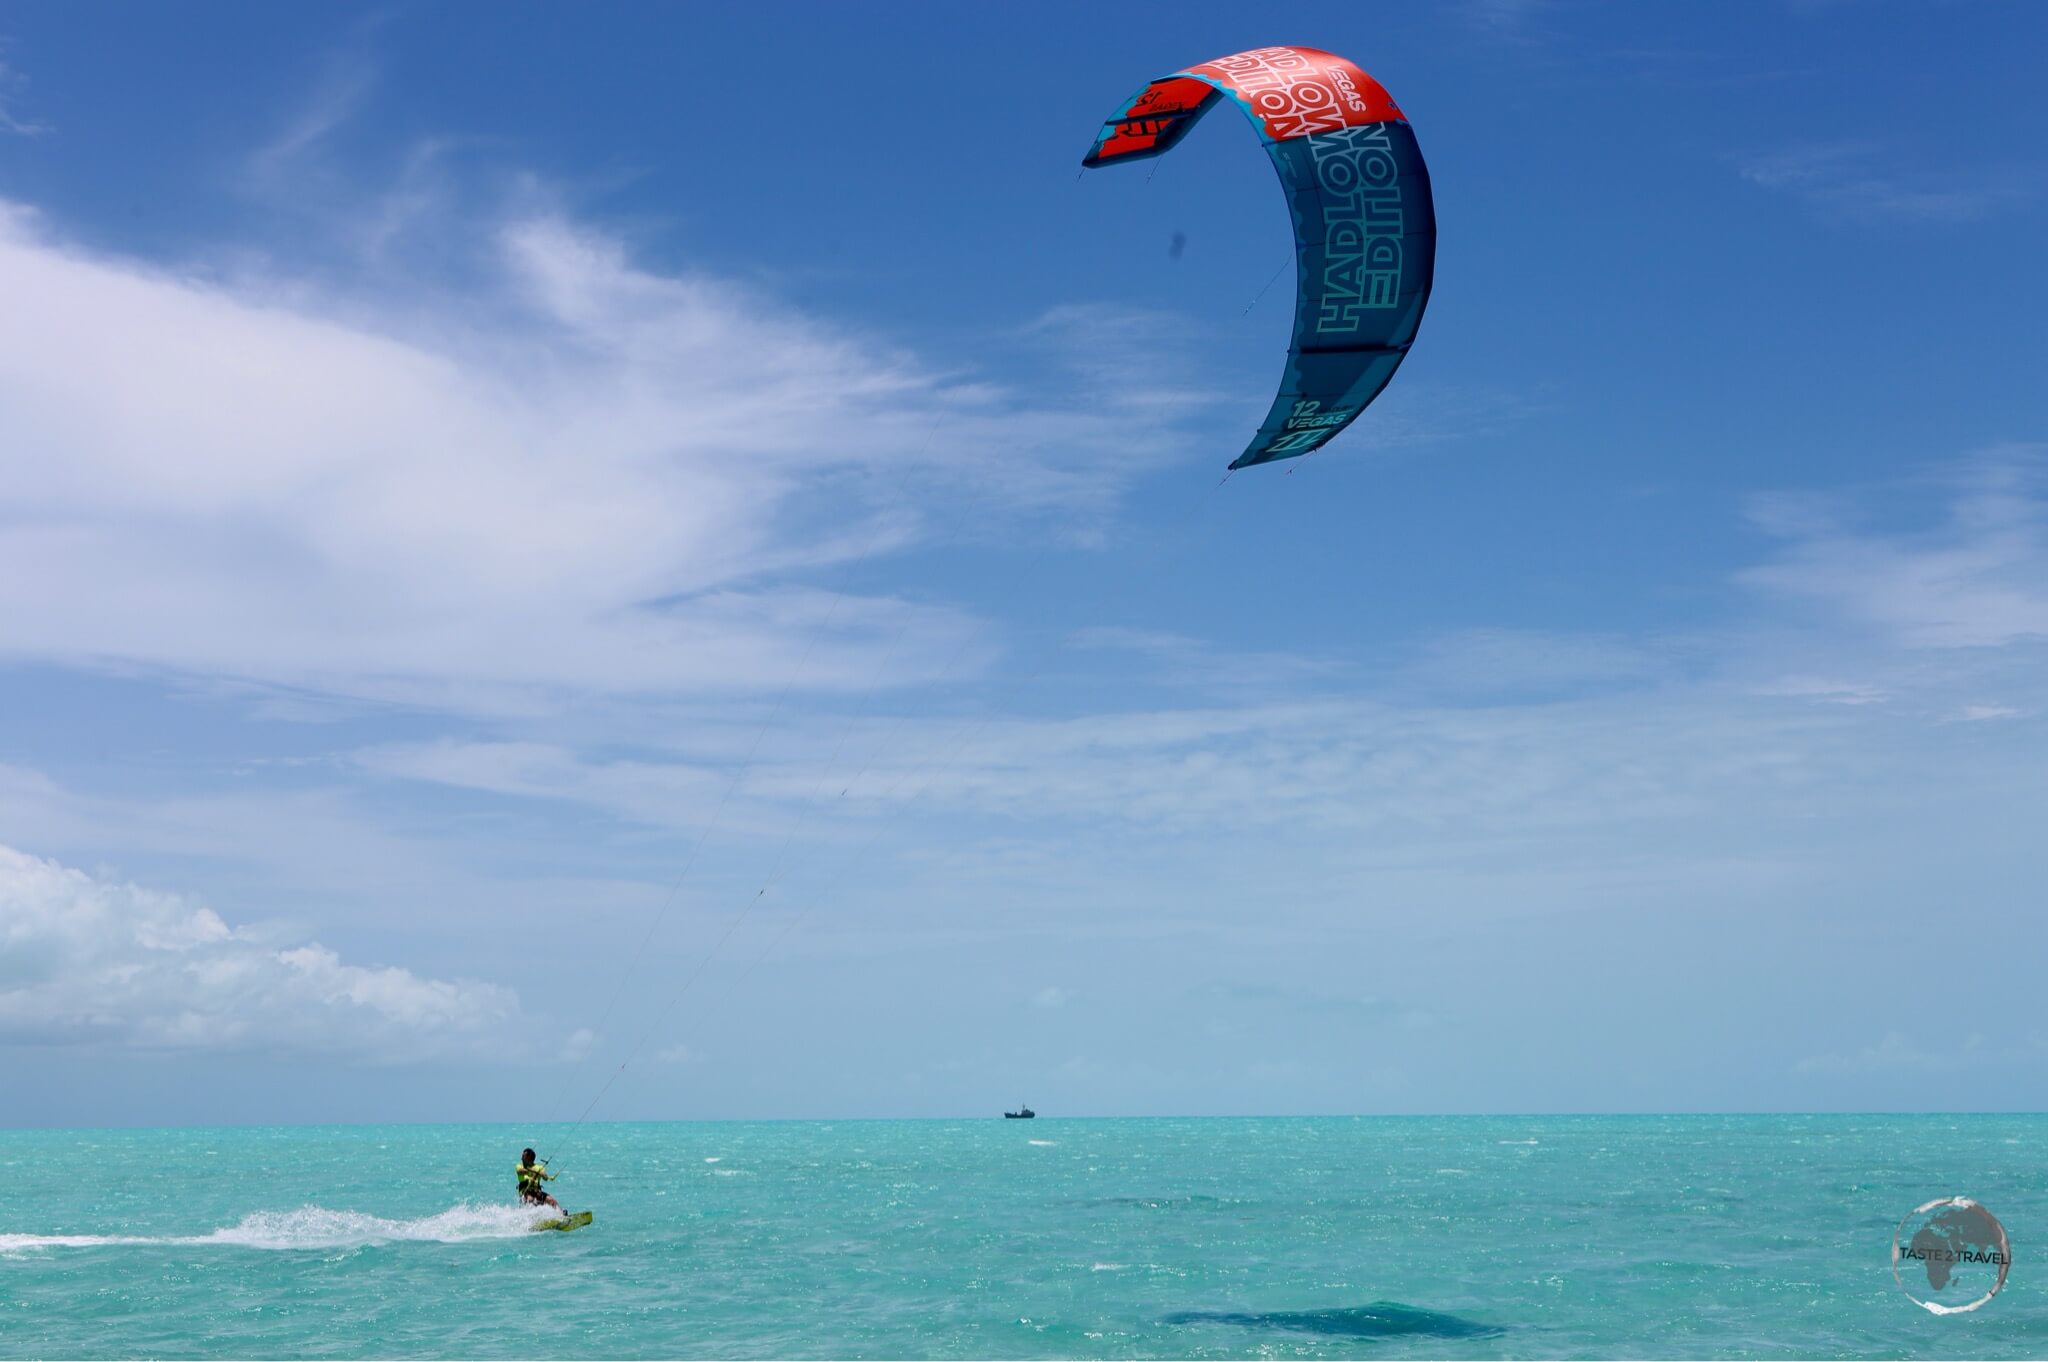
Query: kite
x,y
1364,224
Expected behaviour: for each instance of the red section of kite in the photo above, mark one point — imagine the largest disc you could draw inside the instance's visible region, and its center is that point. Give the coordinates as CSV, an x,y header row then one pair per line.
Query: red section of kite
x,y
1163,105
1300,91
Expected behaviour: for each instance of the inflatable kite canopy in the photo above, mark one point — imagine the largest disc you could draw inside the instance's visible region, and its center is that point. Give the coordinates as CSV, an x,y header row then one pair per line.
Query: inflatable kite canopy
x,y
1364,225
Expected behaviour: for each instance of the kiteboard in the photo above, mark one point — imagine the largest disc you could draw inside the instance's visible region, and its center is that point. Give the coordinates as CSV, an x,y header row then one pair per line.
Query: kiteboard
x,y
565,1222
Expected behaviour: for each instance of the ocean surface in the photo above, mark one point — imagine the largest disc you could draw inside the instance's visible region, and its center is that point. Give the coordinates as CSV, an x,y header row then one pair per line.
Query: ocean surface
x,y
1315,1237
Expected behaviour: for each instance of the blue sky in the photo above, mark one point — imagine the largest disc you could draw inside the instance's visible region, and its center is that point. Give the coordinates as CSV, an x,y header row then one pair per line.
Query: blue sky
x,y
534,539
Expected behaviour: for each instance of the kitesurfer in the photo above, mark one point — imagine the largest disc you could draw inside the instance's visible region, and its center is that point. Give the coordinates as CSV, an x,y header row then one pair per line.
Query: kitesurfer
x,y
531,1176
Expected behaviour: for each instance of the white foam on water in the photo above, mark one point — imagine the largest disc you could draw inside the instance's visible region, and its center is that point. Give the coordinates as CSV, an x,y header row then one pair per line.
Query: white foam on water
x,y
714,1159
1043,1144
316,1227
1109,1267
1517,1141
25,1243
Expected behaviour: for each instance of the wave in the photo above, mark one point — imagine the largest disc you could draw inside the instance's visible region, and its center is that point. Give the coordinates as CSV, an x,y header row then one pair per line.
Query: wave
x,y
314,1227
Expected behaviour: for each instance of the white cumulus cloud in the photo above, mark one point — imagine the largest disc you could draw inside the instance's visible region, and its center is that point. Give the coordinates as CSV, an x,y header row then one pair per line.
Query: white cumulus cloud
x,y
89,959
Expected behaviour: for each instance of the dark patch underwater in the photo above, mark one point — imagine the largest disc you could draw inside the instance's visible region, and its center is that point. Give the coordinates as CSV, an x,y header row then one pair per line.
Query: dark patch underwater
x,y
1381,1319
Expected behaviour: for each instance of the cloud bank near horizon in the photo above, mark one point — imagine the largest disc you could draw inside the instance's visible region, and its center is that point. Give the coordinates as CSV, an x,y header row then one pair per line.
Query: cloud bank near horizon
x,y
85,959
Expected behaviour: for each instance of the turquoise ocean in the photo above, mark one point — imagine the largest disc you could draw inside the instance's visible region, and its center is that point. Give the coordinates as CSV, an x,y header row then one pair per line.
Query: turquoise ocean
x,y
1758,1236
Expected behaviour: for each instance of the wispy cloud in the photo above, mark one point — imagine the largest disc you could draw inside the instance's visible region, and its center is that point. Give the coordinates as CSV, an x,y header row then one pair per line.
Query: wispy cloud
x,y
1596,785
1977,714
1830,691
88,959
1179,660
1872,182
599,490
1569,749
1976,578
12,83
1512,21
336,95
1604,757
1508,662
651,791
